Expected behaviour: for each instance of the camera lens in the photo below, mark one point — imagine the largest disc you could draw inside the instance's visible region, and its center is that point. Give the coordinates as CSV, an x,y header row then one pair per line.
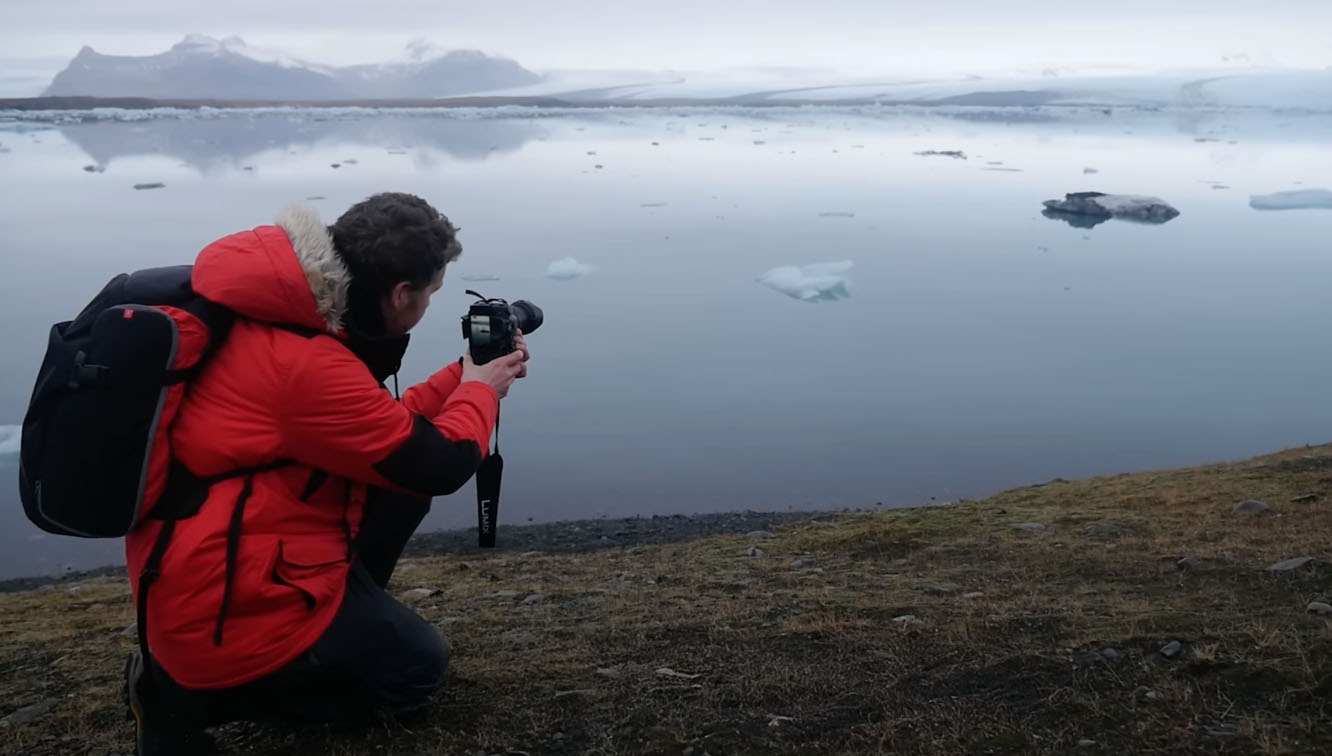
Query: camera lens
x,y
526,316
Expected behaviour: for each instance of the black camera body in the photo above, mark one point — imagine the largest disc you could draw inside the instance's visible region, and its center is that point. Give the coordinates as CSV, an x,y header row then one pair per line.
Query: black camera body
x,y
491,324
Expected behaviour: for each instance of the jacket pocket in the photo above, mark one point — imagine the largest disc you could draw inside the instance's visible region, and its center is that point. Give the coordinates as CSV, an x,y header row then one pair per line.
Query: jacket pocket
x,y
310,568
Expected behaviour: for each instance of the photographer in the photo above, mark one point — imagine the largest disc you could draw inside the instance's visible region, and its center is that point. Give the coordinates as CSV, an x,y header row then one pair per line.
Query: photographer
x,y
270,601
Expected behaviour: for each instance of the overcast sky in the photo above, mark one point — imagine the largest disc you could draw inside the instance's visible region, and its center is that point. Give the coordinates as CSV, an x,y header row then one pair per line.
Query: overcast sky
x,y
874,36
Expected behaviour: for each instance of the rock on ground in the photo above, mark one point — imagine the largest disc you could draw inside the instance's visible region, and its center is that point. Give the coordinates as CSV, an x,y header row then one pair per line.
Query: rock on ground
x,y
1103,528
1320,608
30,714
1032,526
1251,506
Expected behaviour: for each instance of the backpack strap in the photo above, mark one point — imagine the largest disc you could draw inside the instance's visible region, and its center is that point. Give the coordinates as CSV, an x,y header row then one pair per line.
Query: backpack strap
x,y
184,495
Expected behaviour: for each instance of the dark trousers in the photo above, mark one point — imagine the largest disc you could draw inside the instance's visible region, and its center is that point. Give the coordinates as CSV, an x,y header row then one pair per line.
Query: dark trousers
x,y
377,658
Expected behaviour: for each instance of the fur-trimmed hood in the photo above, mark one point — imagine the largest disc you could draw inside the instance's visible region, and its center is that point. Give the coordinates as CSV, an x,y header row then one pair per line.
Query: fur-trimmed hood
x,y
285,273
324,270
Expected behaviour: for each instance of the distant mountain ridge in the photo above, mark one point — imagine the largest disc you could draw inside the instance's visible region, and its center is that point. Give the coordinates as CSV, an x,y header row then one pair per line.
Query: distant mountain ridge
x,y
208,68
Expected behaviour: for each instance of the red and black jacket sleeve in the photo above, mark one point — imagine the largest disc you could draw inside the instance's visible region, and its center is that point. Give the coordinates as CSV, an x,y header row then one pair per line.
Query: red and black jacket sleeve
x,y
337,418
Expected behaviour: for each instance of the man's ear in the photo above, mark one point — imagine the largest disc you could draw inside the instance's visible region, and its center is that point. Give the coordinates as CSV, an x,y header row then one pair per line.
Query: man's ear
x,y
401,295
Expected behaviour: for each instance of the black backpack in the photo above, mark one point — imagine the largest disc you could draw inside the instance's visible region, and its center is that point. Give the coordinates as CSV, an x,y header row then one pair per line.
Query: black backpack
x,y
95,455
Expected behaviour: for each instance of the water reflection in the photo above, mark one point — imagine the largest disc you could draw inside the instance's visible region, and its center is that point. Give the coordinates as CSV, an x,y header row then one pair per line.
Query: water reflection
x,y
211,144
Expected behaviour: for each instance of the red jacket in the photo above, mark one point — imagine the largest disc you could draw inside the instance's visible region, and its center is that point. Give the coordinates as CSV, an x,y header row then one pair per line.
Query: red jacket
x,y
270,394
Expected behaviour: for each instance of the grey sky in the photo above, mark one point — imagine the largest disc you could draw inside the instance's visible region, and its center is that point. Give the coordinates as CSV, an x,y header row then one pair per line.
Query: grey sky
x,y
878,36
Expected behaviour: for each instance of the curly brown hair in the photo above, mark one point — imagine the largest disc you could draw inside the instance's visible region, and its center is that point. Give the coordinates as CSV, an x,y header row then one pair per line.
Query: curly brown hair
x,y
387,239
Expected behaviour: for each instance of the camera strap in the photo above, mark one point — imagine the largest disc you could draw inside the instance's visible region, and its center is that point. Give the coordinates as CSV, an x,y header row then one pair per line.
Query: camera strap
x,y
488,477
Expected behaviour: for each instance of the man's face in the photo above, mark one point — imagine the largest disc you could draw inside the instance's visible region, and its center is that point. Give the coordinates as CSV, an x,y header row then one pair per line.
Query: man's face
x,y
405,305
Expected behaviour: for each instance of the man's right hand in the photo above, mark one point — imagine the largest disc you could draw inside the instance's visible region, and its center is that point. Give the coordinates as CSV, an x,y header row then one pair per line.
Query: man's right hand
x,y
499,373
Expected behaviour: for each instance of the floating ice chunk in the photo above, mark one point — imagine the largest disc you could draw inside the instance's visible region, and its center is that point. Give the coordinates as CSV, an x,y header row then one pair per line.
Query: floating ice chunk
x,y
810,283
1299,199
10,438
837,214
567,269
481,277
1086,209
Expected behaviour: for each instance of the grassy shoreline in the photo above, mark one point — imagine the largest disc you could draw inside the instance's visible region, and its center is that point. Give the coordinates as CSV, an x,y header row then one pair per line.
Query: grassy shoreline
x,y
944,630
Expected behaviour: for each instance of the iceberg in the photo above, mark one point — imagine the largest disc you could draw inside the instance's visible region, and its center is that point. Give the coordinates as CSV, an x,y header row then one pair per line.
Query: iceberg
x,y
567,269
1096,207
11,436
819,282
1299,199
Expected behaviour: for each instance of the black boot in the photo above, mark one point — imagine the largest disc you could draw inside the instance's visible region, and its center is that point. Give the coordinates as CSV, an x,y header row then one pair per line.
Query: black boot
x,y
160,729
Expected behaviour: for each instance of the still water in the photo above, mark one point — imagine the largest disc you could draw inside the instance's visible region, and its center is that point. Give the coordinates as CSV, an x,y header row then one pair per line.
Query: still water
x,y
975,346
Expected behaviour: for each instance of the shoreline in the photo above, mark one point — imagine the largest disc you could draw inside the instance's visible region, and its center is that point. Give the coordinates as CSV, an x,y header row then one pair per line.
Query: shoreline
x,y
556,537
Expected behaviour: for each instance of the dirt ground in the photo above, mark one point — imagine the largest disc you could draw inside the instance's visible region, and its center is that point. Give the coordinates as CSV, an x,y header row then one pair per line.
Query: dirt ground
x,y
1135,614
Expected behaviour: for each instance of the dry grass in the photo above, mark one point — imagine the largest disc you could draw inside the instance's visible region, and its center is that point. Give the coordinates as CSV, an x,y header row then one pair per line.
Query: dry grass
x,y
797,650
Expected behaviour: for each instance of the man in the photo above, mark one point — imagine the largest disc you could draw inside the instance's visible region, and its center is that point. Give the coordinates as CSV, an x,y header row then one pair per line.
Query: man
x,y
270,600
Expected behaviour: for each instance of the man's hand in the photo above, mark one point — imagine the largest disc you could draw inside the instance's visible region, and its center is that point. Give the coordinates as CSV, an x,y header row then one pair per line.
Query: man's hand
x,y
520,345
499,373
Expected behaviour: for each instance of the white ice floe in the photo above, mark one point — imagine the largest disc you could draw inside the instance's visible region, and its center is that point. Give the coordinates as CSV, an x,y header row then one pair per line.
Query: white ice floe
x,y
810,283
10,438
567,269
1299,199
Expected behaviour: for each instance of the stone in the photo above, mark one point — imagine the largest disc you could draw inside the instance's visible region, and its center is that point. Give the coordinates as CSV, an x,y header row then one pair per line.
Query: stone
x,y
760,535
1251,506
31,713
1172,649
1188,563
1305,498
906,620
1320,608
1144,693
608,672
1086,743
131,630
973,595
1292,564
501,595
799,564
1035,527
1103,528
531,553
755,551
417,594
1113,654
534,598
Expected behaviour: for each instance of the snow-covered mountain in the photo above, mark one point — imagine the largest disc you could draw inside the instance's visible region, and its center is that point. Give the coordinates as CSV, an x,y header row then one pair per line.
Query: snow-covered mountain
x,y
200,67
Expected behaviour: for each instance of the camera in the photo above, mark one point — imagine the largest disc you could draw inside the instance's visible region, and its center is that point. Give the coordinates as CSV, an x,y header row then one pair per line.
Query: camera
x,y
490,324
